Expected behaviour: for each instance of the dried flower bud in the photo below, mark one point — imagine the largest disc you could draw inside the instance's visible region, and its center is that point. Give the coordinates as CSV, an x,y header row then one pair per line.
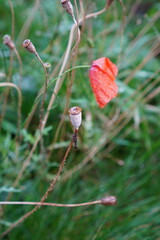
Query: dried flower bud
x,y
75,116
27,44
8,42
67,5
108,200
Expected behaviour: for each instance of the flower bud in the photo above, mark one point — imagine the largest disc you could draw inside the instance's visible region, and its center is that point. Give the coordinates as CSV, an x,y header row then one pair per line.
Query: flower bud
x,y
27,44
66,4
75,116
108,200
8,42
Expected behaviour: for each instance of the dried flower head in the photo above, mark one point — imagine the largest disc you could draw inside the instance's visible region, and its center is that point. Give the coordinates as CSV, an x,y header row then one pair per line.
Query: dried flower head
x,y
27,44
8,41
66,4
75,114
108,200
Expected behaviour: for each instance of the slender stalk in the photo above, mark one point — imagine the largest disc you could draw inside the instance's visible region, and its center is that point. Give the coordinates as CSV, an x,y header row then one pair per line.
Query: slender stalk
x,y
20,65
43,101
13,17
50,204
45,86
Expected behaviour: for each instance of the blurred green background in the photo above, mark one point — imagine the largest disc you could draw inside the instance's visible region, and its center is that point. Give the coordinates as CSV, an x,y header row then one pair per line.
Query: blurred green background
x,y
118,146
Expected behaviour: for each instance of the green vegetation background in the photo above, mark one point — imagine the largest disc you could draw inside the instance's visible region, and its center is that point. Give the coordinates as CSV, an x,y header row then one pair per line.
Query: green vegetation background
x,y
125,133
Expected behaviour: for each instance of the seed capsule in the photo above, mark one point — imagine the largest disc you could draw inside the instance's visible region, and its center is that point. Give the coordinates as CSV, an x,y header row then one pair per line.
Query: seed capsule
x,y
8,42
75,114
66,4
27,44
108,200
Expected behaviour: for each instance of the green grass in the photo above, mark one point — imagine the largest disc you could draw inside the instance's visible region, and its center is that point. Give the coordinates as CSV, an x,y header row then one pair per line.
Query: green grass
x,y
126,132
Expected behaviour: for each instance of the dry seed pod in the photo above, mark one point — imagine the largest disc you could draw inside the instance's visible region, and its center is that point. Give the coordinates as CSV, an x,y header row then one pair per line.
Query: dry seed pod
x,y
8,42
66,4
27,44
75,114
108,200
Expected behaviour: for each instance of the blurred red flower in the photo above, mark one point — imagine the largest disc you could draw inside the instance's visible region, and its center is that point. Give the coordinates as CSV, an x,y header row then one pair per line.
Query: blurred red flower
x,y
102,78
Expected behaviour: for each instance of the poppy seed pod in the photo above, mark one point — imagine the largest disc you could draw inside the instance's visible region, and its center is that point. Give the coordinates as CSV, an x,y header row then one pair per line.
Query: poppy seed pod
x,y
66,4
27,44
8,42
108,200
75,114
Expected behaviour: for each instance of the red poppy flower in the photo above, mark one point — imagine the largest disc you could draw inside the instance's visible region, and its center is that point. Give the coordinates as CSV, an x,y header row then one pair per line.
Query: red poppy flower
x,y
102,78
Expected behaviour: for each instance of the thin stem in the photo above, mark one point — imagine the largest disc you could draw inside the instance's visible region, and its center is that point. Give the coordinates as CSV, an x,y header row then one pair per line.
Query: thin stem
x,y
13,17
50,204
43,100
20,66
45,87
76,21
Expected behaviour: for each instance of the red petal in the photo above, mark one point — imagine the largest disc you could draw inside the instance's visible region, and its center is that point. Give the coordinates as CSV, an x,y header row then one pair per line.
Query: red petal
x,y
102,75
